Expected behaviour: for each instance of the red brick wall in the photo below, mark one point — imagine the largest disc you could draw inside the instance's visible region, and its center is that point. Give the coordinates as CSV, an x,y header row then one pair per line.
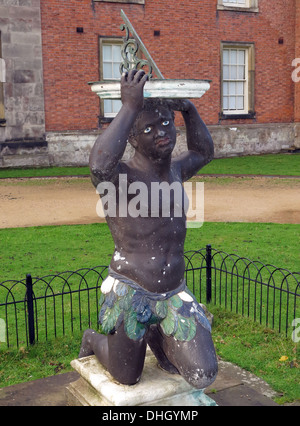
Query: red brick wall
x,y
188,47
296,68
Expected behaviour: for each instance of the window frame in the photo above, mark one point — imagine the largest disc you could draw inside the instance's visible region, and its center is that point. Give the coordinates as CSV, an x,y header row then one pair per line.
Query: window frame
x,y
102,41
249,110
122,1
251,6
230,4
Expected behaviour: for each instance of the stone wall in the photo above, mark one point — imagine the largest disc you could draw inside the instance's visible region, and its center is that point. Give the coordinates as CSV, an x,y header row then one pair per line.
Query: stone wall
x,y
20,27
253,139
24,154
72,148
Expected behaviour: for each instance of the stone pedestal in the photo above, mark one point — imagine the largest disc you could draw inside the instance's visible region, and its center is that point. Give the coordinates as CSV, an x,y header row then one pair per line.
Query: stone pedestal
x,y
96,387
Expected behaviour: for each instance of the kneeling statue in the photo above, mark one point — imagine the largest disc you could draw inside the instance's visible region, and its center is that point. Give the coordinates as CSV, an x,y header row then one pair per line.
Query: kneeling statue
x,y
145,299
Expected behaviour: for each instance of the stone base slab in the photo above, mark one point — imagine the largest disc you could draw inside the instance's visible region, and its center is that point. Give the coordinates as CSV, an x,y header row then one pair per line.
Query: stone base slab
x,y
96,387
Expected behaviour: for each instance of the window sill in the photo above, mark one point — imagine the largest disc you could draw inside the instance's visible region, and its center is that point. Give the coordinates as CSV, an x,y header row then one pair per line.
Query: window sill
x,y
122,1
104,120
250,115
238,9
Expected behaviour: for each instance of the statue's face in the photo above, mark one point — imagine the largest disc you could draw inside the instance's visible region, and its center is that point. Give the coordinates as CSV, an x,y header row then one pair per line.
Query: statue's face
x,y
156,136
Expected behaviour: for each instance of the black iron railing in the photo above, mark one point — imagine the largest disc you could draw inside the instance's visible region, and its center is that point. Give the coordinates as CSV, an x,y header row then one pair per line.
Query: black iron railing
x,y
265,293
36,309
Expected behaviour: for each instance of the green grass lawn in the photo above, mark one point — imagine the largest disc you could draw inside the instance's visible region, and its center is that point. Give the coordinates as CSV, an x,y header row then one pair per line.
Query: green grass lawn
x,y
44,172
255,348
269,164
52,249
237,339
259,350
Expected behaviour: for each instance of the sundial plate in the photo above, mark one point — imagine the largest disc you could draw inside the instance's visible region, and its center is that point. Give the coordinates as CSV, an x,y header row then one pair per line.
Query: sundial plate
x,y
154,88
171,89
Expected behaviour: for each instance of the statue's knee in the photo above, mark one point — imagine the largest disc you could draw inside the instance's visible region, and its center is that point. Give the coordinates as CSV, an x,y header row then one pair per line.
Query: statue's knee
x,y
201,378
201,372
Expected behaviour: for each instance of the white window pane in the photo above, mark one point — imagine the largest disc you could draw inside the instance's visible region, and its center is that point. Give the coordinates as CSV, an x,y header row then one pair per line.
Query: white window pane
x,y
233,57
225,56
116,50
116,70
241,57
107,71
240,88
107,106
241,72
116,106
231,88
225,102
232,102
233,72
226,72
225,89
240,102
236,2
107,53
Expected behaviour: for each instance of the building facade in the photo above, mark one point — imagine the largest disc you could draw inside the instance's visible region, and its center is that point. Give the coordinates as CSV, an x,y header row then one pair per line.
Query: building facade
x,y
22,117
51,49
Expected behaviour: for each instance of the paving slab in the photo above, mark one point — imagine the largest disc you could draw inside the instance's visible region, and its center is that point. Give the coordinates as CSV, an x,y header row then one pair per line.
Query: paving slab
x,y
49,391
233,387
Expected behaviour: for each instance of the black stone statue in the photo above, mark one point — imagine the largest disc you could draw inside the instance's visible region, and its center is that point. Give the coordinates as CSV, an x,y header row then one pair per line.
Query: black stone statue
x,y
145,300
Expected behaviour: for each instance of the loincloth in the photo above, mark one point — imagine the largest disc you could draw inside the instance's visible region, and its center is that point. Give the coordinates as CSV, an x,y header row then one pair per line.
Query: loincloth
x,y
124,301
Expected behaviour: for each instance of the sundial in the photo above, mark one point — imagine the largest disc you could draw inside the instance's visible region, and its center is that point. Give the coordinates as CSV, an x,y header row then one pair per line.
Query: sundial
x,y
156,87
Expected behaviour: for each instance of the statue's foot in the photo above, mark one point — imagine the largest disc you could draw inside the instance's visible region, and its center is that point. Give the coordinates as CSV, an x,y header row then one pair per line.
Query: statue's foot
x,y
86,348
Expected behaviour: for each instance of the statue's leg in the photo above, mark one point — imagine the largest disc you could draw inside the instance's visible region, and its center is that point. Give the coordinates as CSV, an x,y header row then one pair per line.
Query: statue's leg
x,y
91,338
123,357
195,359
155,339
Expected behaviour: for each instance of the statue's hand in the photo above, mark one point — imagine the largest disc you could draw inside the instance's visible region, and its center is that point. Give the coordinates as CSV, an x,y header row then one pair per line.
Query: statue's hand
x,y
132,87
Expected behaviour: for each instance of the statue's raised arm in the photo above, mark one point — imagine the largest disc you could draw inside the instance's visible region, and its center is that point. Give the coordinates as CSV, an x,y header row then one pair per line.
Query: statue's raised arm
x,y
199,141
110,145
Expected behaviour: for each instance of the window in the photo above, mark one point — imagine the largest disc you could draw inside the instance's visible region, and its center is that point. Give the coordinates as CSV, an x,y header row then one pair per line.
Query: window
x,y
237,84
110,60
235,96
123,1
2,80
238,5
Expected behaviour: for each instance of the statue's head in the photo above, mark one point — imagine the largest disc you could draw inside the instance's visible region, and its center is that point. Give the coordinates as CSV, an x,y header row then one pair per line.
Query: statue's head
x,y
154,133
